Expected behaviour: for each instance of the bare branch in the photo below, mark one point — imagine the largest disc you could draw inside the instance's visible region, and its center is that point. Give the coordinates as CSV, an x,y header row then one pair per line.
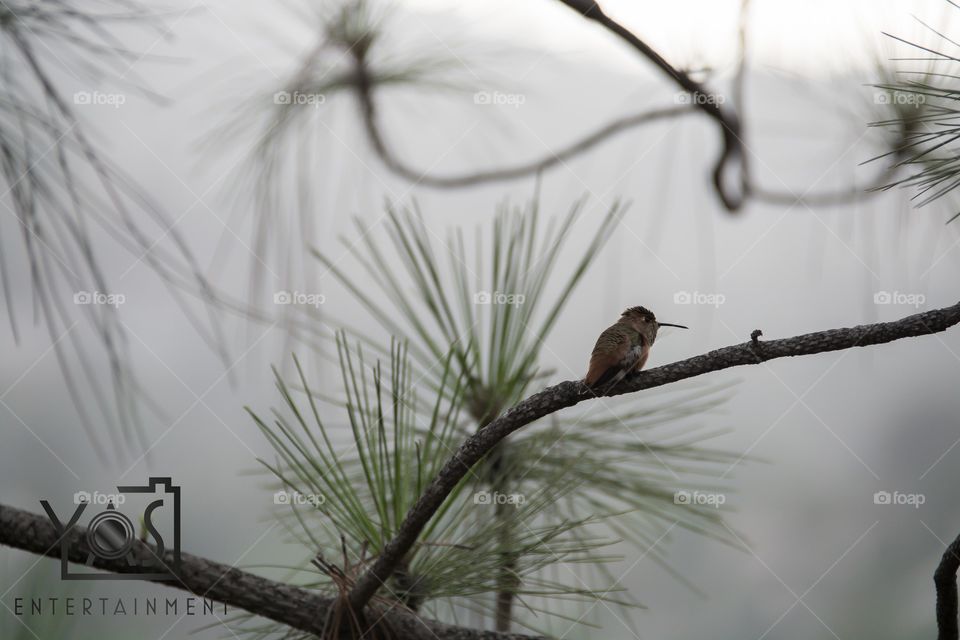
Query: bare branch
x,y
287,604
730,121
425,178
789,197
727,119
945,579
571,392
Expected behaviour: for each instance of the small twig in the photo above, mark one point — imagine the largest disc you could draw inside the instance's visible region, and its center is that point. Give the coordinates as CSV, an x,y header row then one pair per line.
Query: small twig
x,y
755,337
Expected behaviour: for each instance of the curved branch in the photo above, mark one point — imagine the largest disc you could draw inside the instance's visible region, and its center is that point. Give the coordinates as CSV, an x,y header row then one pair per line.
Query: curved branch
x,y
819,199
566,394
727,119
730,123
298,608
396,165
364,83
945,579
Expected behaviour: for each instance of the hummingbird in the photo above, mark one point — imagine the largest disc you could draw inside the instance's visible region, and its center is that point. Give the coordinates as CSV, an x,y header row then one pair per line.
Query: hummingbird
x,y
623,348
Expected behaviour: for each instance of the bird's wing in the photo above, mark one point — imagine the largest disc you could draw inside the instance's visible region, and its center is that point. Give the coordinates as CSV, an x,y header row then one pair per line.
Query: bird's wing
x,y
612,346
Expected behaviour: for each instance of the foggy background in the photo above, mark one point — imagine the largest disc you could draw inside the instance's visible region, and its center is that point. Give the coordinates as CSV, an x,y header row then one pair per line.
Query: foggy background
x,y
827,431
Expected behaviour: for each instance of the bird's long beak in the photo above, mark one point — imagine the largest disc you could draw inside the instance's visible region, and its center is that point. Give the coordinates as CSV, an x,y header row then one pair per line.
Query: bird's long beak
x,y
670,324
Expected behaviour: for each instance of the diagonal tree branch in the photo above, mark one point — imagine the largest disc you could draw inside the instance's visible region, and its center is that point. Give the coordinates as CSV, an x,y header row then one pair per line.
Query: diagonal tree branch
x,y
571,392
287,604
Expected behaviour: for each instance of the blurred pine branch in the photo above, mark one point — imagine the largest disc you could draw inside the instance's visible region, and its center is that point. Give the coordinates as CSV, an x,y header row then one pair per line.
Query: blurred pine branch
x,y
920,101
65,195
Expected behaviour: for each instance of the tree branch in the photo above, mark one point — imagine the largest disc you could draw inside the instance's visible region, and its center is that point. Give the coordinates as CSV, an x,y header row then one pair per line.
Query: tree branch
x,y
571,392
287,604
307,611
945,579
730,121
727,119
363,87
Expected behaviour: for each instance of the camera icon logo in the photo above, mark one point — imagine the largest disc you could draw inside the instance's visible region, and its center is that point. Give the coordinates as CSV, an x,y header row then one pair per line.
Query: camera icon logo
x,y
882,297
682,297
482,97
281,97
81,97
482,297
681,497
282,297
110,535
82,297
281,497
882,497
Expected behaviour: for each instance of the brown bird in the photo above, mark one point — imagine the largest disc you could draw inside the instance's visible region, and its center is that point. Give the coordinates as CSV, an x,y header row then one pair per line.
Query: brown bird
x,y
623,348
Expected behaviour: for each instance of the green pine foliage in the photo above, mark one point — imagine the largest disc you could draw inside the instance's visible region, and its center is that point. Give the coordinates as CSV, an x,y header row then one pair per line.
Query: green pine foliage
x,y
569,486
